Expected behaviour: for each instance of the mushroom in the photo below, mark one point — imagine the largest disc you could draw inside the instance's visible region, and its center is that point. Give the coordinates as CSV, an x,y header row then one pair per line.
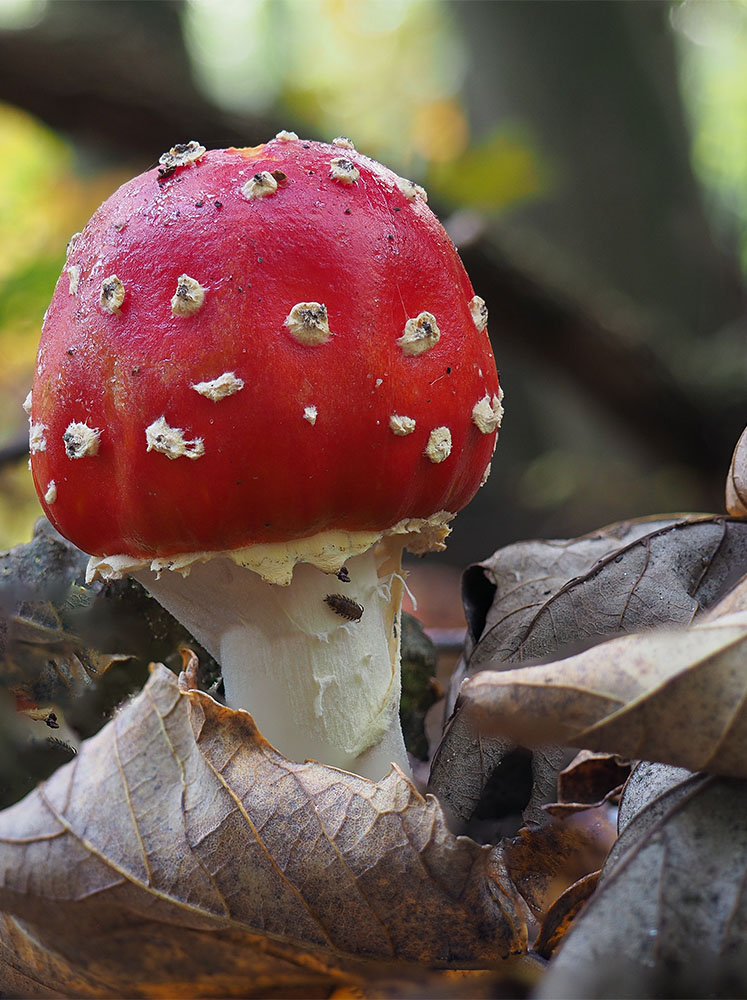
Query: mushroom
x,y
281,401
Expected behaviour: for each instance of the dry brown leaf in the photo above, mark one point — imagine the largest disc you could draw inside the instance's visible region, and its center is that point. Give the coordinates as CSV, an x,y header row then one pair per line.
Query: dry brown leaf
x,y
590,777
139,958
544,861
674,696
556,598
180,816
540,600
735,600
736,480
516,581
483,782
590,780
563,912
669,915
514,978
644,793
488,786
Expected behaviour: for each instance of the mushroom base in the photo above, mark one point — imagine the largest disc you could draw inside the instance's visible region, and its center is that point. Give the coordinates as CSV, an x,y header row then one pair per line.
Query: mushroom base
x,y
315,662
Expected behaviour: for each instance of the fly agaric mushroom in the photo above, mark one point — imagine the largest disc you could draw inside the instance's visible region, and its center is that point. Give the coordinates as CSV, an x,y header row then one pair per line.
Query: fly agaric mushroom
x,y
269,375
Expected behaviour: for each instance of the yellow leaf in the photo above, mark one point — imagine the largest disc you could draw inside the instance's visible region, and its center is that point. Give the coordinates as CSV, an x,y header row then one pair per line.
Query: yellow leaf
x,y
501,170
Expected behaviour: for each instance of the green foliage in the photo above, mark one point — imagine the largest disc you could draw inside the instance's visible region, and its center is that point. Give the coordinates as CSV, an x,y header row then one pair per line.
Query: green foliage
x,y
713,50
502,169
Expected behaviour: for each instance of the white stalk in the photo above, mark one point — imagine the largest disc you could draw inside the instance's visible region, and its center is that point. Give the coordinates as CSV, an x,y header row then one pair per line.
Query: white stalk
x,y
318,685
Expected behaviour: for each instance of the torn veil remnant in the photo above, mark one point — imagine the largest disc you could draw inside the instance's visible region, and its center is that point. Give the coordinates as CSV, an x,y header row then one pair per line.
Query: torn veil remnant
x,y
260,186
73,274
170,441
181,155
439,445
219,388
309,323
421,333
401,425
249,389
343,170
487,413
37,438
189,296
411,190
479,311
112,295
81,440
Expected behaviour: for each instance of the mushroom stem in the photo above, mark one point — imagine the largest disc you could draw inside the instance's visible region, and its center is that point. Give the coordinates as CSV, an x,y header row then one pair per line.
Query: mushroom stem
x,y
319,685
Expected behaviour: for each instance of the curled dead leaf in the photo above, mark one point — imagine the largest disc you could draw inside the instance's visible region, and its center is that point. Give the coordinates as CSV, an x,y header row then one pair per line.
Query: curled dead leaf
x,y
735,600
153,961
590,780
646,787
591,777
668,916
736,480
489,787
540,600
557,598
679,697
544,861
180,815
503,594
560,916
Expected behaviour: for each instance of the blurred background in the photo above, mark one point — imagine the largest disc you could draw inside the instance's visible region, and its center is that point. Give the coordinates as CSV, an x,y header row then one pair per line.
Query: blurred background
x,y
589,159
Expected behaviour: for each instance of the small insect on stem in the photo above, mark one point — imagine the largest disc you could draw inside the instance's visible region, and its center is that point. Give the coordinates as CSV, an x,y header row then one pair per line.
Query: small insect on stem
x,y
346,607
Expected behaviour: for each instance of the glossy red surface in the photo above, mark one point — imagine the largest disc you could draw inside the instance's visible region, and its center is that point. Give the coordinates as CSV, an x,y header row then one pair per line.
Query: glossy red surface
x,y
371,255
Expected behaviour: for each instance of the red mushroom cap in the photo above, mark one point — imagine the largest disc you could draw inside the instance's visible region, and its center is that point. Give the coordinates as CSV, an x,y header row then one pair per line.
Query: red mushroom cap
x,y
257,345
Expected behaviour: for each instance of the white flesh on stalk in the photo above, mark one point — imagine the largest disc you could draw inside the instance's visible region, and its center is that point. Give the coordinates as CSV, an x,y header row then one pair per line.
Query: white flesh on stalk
x,y
318,686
